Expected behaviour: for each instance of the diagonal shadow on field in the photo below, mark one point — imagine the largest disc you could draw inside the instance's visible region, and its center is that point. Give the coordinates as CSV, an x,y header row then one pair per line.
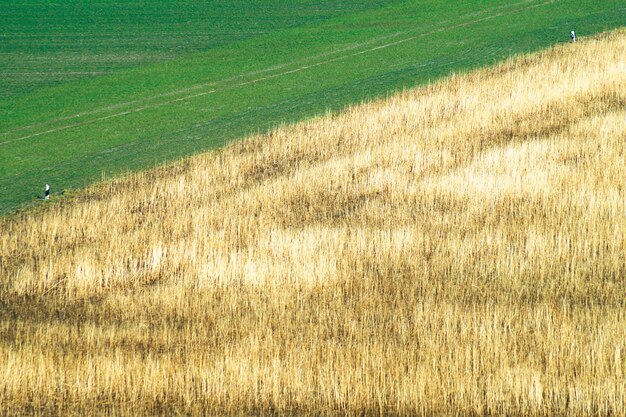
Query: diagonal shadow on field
x,y
552,118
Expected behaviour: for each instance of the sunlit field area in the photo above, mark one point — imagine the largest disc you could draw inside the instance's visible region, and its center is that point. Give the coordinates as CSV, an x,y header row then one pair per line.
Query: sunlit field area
x,y
456,249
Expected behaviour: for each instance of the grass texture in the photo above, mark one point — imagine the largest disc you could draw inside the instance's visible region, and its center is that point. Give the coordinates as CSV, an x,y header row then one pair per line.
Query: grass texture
x,y
77,132
456,249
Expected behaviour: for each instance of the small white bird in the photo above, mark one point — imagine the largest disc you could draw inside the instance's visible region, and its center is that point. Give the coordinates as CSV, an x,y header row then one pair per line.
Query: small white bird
x,y
573,35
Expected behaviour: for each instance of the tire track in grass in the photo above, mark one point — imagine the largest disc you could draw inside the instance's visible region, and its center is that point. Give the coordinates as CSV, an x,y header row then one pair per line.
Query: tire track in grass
x,y
269,77
194,87
202,85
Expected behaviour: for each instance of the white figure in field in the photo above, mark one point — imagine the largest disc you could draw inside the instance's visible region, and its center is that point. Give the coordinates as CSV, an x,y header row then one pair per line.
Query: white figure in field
x,y
47,192
573,35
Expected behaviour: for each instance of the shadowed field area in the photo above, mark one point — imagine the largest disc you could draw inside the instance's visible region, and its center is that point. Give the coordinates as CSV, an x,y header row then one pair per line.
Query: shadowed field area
x,y
456,249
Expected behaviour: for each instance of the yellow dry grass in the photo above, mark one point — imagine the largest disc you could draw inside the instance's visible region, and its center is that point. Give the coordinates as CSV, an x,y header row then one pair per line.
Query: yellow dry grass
x,y
457,249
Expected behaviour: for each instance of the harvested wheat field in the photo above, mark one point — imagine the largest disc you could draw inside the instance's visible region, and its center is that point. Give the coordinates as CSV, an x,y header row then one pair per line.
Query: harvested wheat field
x,y
457,249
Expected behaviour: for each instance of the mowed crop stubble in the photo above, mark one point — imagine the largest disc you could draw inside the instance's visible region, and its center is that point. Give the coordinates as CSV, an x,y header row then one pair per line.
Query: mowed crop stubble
x,y
456,249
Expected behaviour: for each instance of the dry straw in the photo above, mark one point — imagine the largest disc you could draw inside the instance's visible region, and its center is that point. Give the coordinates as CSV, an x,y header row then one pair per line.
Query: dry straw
x,y
456,249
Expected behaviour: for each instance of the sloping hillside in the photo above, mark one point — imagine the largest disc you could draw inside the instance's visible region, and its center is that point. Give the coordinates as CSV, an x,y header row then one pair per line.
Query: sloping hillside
x,y
126,93
455,249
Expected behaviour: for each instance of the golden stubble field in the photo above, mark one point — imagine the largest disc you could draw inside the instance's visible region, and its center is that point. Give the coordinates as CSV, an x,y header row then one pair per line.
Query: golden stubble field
x,y
457,249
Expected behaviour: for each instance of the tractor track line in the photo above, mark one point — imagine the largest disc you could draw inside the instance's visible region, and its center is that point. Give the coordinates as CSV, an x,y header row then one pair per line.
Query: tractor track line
x,y
299,69
213,83
195,86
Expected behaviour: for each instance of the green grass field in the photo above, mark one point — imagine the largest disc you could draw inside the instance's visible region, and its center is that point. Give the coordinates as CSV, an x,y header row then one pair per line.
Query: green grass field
x,y
168,93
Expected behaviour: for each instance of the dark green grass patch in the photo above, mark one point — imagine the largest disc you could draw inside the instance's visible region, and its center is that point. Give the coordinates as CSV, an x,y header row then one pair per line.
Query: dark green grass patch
x,y
69,135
